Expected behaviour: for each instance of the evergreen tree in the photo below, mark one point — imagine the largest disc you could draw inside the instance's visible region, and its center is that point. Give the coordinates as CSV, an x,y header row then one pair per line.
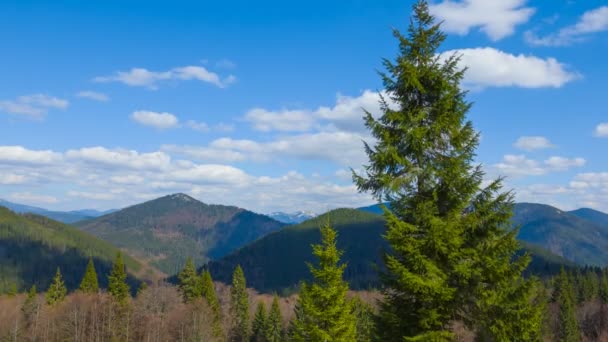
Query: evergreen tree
x,y
452,249
604,286
89,282
57,291
239,307
30,307
274,328
364,315
259,325
189,283
323,312
568,329
117,281
208,293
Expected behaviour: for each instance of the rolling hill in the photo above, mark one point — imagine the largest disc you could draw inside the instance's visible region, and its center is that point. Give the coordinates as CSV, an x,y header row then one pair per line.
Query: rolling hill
x,y
165,231
61,216
567,234
33,246
277,262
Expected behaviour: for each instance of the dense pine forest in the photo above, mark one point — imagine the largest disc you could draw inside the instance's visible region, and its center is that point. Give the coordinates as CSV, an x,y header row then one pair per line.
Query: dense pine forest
x,y
442,261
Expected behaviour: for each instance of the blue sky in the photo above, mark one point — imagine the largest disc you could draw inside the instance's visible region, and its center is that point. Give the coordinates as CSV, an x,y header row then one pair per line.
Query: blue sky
x,y
107,104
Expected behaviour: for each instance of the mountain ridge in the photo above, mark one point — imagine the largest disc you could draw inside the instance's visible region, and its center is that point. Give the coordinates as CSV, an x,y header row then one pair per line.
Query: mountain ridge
x,y
167,230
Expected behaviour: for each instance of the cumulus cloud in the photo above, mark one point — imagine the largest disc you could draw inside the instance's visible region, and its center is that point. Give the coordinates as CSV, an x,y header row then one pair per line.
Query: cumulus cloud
x,y
120,158
96,175
496,18
520,165
28,197
17,155
345,115
489,67
344,148
601,130
12,179
36,105
197,126
93,95
154,119
141,77
531,143
592,21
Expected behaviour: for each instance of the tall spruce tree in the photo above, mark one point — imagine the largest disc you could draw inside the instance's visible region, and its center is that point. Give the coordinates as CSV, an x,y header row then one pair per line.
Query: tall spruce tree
x,y
117,281
565,296
57,291
189,283
208,294
323,312
274,326
259,325
452,250
89,283
239,307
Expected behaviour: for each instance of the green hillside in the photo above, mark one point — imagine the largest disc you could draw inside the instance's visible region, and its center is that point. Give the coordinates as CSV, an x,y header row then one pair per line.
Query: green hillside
x,y
591,215
577,239
33,246
165,231
278,261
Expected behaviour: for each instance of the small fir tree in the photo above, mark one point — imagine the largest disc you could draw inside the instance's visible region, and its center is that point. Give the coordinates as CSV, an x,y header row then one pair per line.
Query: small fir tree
x,y
89,283
30,307
564,295
365,320
323,312
274,328
117,281
57,291
208,294
259,325
239,307
189,284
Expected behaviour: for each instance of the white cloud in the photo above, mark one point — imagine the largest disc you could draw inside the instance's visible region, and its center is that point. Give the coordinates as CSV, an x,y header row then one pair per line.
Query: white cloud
x,y
28,197
211,173
496,18
158,120
520,165
283,120
36,105
601,130
345,115
93,95
12,179
119,158
140,77
562,164
127,179
22,155
489,67
592,21
531,143
198,126
102,196
343,148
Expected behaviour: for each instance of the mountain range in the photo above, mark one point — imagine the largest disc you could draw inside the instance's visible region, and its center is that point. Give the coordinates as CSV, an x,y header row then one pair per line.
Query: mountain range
x,y
292,218
278,261
166,231
32,247
159,235
61,216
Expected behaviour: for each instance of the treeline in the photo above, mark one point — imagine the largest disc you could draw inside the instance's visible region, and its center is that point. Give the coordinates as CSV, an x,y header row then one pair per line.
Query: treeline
x,y
196,309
